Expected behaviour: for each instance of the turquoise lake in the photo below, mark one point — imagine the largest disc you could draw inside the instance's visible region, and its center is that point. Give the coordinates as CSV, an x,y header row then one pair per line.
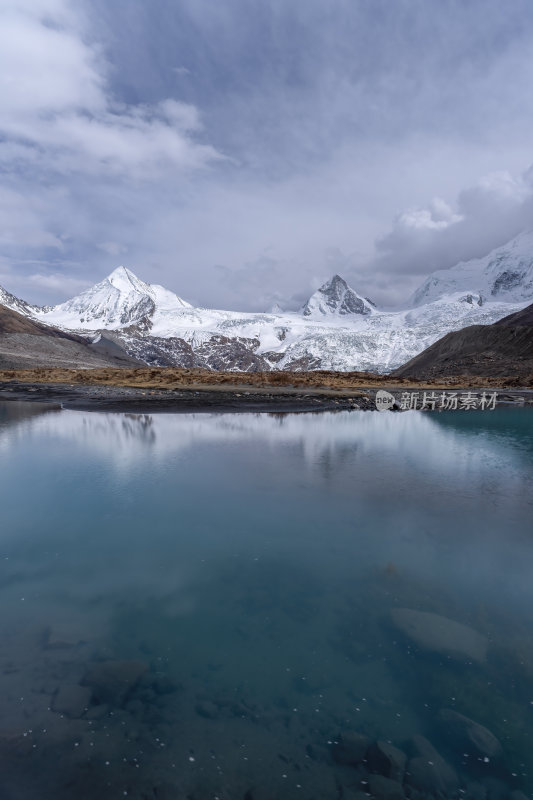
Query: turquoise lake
x,y
204,606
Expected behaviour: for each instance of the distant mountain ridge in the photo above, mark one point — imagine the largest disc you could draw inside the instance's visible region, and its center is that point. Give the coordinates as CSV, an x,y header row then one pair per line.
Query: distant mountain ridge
x,y
336,329
504,273
15,304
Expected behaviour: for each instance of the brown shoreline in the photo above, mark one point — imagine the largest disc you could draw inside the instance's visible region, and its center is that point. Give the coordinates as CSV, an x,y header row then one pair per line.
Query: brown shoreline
x,y
172,390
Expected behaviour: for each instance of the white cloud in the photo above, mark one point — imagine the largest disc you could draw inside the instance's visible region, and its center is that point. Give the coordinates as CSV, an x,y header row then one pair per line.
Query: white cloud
x,y
45,69
22,218
57,110
58,283
437,216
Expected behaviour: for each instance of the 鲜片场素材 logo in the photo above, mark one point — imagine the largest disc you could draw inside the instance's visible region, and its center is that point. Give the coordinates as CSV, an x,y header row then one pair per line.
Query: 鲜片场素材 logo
x,y
437,401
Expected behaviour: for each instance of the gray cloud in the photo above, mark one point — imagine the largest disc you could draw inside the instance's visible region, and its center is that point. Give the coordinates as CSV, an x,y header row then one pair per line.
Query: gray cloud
x,y
241,152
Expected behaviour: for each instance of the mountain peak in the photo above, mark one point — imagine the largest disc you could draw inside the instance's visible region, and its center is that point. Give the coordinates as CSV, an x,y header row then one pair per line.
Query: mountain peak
x,y
336,298
120,300
121,271
336,280
10,301
505,274
123,278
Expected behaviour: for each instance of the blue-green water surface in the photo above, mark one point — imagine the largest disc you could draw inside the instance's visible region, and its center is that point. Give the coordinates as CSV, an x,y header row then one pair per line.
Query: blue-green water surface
x,y
202,606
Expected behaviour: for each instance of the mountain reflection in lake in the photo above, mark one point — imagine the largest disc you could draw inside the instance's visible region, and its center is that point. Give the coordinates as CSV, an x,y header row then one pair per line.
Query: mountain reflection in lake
x,y
203,606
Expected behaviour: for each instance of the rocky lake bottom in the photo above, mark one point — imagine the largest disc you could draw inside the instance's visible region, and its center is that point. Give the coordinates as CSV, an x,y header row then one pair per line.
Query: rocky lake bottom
x,y
266,606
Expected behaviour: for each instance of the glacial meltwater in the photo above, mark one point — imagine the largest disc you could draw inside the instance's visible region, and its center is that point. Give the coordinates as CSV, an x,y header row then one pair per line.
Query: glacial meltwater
x,y
265,606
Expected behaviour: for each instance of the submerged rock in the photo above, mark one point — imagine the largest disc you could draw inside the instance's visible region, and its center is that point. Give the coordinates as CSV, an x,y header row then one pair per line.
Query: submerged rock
x,y
382,788
14,744
475,791
428,771
387,760
441,635
112,680
207,709
496,789
465,732
72,701
97,712
350,749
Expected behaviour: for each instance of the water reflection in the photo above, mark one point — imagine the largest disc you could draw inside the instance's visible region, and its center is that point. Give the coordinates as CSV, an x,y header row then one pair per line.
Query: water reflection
x,y
16,412
201,606
122,438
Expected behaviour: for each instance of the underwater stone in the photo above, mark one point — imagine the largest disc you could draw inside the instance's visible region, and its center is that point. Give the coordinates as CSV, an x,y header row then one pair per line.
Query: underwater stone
x,y
207,709
465,733
496,788
72,701
135,707
441,635
13,743
387,760
383,788
259,793
112,680
317,752
350,749
430,777
475,791
428,771
97,712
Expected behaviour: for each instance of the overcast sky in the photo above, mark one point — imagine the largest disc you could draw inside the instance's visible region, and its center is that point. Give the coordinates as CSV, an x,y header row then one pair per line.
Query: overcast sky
x,y
240,152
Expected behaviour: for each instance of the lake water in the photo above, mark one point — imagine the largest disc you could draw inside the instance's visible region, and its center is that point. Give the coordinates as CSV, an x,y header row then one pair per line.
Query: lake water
x,y
203,606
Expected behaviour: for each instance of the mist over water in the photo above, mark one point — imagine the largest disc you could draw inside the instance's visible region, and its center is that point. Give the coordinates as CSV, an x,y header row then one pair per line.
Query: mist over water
x,y
221,588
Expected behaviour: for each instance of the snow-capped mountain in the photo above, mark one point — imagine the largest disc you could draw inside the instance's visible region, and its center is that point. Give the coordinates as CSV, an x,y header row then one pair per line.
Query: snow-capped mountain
x,y
335,298
15,304
120,300
506,273
336,329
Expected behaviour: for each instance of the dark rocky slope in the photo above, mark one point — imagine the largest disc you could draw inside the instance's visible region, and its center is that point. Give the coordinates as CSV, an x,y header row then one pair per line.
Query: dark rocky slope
x,y
502,349
27,344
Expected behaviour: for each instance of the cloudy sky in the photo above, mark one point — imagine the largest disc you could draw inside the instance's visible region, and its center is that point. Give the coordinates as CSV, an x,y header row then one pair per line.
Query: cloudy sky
x,y
241,151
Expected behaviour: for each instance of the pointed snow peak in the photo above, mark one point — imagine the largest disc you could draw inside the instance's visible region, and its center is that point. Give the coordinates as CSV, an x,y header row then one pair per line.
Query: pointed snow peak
x,y
118,301
336,281
336,298
121,272
124,279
